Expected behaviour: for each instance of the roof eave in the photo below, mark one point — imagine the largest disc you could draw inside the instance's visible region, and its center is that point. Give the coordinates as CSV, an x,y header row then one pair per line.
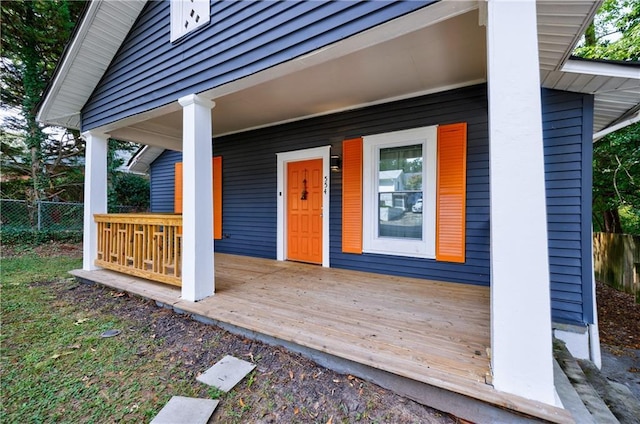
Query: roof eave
x,y
49,111
605,68
142,159
69,55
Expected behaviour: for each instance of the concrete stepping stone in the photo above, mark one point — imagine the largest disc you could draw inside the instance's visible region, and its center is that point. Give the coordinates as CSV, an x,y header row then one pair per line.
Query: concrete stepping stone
x,y
182,409
225,374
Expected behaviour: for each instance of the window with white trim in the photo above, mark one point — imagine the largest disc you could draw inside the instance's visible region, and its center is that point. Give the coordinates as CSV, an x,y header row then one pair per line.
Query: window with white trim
x,y
187,15
399,192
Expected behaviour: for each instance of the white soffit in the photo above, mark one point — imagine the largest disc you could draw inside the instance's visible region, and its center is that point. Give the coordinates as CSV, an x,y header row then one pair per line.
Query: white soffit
x,y
144,158
102,30
616,87
560,27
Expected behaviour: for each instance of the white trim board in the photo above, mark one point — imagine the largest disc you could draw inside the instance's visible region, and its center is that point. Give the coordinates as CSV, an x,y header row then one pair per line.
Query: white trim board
x,y
372,242
323,153
618,70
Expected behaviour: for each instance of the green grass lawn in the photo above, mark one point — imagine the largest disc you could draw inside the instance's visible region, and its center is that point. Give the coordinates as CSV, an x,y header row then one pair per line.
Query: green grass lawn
x,y
55,366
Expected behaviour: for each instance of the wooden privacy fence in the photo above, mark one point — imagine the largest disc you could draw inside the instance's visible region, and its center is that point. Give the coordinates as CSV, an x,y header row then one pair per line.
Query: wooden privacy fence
x,y
616,259
144,245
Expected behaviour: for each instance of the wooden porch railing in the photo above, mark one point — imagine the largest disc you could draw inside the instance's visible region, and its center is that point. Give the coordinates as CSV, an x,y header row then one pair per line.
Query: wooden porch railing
x,y
143,245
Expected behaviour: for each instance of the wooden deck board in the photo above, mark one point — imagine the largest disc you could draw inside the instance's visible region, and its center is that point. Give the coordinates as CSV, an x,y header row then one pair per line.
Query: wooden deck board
x,y
390,332
433,332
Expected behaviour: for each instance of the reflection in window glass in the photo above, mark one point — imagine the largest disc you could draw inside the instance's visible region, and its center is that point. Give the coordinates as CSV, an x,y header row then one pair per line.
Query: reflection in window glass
x,y
400,192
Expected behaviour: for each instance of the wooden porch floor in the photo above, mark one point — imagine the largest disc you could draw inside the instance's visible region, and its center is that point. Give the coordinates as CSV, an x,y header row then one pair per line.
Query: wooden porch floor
x,y
433,332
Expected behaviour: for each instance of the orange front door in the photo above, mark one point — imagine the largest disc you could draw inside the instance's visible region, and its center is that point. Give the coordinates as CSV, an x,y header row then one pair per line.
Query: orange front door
x,y
304,211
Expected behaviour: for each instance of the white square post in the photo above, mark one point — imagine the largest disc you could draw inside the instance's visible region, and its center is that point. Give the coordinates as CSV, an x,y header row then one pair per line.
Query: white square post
x,y
95,193
521,338
197,202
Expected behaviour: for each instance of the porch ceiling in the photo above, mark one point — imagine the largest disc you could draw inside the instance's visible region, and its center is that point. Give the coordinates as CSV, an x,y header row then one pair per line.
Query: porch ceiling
x,y
447,54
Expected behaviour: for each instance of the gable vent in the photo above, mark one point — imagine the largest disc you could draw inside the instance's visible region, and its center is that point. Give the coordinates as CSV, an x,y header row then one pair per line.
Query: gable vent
x,y
187,15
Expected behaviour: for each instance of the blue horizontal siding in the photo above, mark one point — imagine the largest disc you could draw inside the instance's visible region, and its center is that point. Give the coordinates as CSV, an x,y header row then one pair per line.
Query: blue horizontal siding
x,y
567,148
249,178
242,38
162,184
249,197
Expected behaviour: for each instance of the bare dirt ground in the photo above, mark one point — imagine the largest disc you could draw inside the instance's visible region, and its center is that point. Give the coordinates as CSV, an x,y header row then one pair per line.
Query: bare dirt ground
x,y
619,321
285,388
619,318
72,250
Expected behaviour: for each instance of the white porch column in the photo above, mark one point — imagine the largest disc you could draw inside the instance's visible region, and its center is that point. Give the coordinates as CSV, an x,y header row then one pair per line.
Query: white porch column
x,y
521,343
95,193
197,204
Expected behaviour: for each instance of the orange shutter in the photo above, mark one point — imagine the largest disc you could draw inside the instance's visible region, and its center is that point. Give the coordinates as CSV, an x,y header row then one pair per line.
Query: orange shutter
x,y
217,194
352,196
177,197
451,192
217,197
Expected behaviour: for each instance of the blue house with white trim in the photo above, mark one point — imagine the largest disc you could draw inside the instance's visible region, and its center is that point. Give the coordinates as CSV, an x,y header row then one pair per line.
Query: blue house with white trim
x,y
479,102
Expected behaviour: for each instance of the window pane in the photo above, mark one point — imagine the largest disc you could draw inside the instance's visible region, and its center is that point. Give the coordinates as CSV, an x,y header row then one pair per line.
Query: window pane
x,y
400,192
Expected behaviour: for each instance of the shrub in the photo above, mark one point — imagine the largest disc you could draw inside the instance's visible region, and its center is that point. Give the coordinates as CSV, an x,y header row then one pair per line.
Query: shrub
x,y
28,237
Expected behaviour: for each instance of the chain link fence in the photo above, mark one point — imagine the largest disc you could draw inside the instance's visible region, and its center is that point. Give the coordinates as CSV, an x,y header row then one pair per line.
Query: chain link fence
x,y
45,215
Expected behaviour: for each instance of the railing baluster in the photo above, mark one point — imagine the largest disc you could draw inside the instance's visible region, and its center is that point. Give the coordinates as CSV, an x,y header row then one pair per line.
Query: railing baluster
x,y
144,245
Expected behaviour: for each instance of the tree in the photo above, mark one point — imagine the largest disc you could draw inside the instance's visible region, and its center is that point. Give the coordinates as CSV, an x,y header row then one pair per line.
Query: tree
x,y
615,35
130,190
616,180
34,34
125,188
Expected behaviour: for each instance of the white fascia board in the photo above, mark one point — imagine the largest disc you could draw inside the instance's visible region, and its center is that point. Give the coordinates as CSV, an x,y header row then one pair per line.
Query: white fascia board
x,y
139,162
635,118
615,70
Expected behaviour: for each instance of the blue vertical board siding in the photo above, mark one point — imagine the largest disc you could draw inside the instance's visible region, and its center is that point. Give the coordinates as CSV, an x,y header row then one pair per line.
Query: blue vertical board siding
x,y
567,130
249,188
242,38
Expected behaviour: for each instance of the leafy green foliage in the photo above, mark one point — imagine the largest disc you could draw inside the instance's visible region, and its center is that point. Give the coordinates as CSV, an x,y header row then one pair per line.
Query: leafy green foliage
x,y
616,181
14,188
124,188
630,221
615,35
615,32
29,237
34,34
129,189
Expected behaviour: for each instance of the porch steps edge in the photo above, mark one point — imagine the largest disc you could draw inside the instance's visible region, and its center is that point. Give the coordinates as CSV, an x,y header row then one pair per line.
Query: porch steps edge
x,y
461,406
500,407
